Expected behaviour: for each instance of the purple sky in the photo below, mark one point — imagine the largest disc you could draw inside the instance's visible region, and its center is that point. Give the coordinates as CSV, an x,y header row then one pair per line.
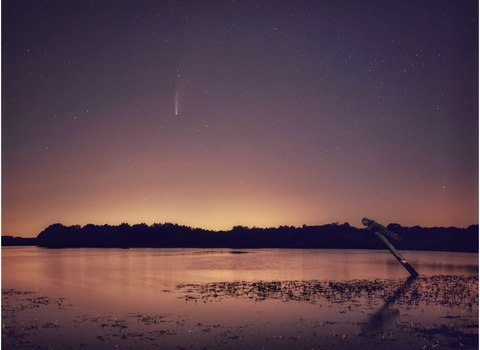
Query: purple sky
x,y
220,113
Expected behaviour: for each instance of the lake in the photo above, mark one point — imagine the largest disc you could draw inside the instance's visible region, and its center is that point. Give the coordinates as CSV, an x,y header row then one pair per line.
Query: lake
x,y
203,297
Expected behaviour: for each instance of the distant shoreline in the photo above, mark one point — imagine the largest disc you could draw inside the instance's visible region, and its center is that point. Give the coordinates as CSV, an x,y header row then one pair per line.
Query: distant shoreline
x,y
331,236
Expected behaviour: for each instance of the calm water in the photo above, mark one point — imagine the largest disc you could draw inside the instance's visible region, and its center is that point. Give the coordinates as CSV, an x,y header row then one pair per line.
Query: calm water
x,y
132,277
117,282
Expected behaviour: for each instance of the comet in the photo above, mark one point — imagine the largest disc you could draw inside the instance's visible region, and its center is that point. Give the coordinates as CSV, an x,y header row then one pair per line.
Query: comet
x,y
176,102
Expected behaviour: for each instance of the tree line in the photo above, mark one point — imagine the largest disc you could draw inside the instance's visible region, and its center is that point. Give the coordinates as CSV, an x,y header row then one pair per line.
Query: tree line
x,y
169,235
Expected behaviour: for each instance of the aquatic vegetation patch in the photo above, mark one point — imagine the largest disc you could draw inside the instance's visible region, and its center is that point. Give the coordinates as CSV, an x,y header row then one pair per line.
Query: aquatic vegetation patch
x,y
451,291
356,314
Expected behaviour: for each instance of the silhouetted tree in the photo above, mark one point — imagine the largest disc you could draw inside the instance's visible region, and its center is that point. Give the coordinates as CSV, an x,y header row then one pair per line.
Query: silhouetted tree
x,y
332,235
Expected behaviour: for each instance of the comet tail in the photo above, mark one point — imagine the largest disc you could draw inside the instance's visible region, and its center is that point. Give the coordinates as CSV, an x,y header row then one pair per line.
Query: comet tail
x,y
176,102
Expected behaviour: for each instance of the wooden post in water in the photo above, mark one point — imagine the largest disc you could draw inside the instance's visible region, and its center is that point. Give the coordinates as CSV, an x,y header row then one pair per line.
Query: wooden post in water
x,y
380,230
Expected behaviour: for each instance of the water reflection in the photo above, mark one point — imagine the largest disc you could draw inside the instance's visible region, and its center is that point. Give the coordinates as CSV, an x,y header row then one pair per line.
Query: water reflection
x,y
385,315
123,277
250,298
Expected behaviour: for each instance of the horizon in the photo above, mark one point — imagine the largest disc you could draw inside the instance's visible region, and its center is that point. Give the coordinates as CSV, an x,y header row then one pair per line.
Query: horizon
x,y
231,228
241,114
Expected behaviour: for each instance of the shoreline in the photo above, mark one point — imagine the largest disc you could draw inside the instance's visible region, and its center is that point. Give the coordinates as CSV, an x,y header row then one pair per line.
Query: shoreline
x,y
328,236
235,250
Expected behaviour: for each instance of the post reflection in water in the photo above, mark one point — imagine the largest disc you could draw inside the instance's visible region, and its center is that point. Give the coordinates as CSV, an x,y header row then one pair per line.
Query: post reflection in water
x,y
385,315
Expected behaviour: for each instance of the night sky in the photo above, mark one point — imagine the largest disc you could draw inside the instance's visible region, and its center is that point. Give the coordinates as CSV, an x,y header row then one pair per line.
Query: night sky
x,y
257,113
